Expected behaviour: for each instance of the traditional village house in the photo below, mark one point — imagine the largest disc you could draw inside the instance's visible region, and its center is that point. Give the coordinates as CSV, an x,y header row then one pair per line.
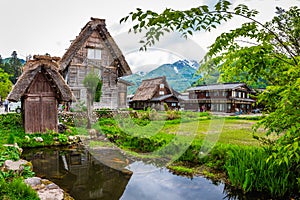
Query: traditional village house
x,y
40,88
227,97
95,50
154,93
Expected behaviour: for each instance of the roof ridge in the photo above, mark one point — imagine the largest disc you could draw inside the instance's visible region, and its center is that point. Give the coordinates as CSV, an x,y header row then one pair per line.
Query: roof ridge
x,y
98,25
159,77
221,84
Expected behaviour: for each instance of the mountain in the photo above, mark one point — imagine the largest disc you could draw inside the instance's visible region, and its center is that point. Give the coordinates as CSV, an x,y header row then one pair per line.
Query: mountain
x,y
180,75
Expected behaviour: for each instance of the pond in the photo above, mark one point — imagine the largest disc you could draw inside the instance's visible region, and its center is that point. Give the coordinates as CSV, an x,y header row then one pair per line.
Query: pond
x,y
84,177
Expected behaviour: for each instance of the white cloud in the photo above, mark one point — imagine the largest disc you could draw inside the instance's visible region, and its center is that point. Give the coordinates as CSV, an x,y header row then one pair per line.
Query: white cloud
x,y
169,49
47,26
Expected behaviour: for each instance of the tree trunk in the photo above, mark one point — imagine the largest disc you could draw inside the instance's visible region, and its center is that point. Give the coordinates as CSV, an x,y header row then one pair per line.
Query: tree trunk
x,y
89,109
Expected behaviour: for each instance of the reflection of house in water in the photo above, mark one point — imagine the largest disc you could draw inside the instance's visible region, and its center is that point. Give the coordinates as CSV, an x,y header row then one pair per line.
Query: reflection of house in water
x,y
79,173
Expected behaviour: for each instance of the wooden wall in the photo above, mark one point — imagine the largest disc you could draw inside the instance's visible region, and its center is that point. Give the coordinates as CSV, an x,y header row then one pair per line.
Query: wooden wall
x,y
40,106
80,67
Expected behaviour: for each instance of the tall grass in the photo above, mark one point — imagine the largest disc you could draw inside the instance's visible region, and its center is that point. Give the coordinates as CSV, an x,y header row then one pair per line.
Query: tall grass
x,y
248,170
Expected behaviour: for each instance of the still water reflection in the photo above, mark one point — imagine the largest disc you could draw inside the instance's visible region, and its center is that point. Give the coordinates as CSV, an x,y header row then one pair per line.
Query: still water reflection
x,y
86,178
149,182
78,173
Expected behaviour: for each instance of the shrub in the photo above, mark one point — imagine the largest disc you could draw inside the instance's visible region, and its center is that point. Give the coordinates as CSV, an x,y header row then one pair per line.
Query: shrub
x,y
11,139
16,189
11,121
139,143
166,107
173,114
62,138
9,153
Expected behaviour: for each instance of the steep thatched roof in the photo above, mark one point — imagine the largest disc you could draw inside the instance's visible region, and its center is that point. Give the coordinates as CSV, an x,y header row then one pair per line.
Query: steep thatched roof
x,y
149,88
50,69
99,26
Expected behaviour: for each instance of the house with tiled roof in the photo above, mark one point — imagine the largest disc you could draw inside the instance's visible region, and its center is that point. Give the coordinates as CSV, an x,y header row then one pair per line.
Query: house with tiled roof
x,y
225,97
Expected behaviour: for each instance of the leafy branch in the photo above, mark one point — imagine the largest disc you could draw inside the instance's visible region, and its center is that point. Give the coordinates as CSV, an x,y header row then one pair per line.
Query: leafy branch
x,y
200,19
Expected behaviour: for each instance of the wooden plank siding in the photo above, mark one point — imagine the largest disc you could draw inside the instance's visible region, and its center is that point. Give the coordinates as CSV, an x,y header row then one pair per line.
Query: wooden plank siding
x,y
40,106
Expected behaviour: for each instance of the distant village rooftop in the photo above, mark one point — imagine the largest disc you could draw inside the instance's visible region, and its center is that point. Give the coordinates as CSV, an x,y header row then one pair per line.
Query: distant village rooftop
x,y
218,86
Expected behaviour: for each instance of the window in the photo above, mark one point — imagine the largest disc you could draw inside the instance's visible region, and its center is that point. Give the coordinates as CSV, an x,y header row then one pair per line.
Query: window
x,y
94,54
76,93
233,93
161,92
173,104
161,86
229,106
192,96
207,94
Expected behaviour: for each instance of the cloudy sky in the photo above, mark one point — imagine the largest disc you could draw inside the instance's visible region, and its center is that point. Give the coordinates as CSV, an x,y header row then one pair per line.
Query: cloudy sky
x,y
47,26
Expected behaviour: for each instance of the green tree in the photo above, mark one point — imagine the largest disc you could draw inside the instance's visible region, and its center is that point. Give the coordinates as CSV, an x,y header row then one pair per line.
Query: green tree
x,y
13,67
5,84
270,56
98,91
92,83
16,67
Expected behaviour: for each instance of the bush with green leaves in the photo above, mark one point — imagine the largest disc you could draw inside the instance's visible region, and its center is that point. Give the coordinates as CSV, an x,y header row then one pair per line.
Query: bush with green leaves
x,y
11,182
16,189
9,153
62,138
139,143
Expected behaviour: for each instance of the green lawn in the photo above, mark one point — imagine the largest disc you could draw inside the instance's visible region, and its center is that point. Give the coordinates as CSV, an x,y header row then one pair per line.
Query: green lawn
x,y
228,131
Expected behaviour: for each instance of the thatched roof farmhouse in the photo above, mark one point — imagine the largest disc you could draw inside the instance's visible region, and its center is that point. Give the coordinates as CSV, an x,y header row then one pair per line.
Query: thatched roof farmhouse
x,y
154,93
95,50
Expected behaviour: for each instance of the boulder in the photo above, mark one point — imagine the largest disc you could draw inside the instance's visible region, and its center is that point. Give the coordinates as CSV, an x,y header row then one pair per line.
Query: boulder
x,y
53,194
38,139
33,181
45,189
14,165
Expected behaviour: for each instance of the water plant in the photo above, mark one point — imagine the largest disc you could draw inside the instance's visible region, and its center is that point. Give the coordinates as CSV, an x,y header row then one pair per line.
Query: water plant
x,y
248,170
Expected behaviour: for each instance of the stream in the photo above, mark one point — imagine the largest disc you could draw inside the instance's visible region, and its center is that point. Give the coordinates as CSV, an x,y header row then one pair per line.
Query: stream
x,y
84,177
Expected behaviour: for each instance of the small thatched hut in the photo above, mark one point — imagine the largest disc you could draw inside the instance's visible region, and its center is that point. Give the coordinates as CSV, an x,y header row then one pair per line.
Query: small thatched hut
x,y
154,93
40,88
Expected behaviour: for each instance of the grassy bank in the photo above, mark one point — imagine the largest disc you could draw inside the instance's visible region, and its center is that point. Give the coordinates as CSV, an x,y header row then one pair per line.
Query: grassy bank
x,y
218,147
222,148
11,131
